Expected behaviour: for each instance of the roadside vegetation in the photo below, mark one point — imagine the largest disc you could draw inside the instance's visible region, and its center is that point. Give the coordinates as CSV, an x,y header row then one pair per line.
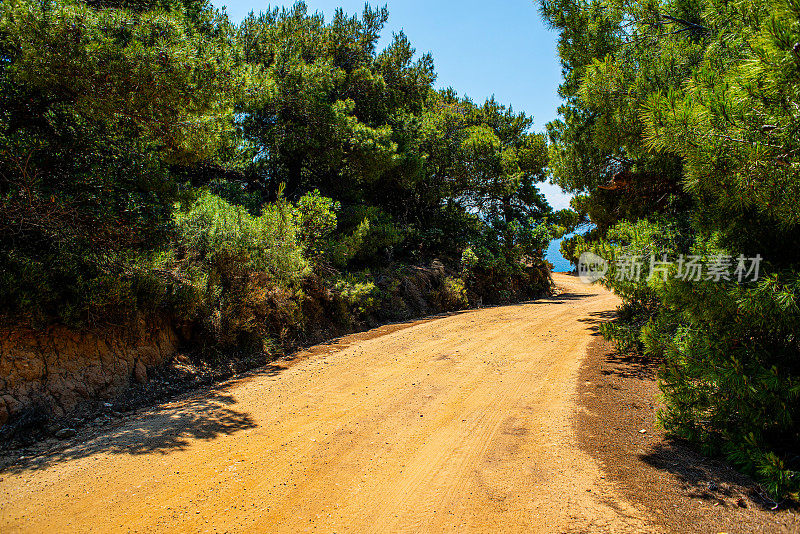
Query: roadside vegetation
x,y
282,180
679,135
260,184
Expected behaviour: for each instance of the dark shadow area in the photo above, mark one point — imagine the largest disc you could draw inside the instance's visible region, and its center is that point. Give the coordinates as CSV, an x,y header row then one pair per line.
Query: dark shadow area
x,y
702,477
595,319
564,297
630,366
680,489
601,316
202,417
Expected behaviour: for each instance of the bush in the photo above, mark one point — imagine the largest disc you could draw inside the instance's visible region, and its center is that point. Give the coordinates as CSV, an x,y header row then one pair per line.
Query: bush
x,y
228,238
358,292
731,378
468,261
502,270
371,241
730,352
239,266
453,294
315,216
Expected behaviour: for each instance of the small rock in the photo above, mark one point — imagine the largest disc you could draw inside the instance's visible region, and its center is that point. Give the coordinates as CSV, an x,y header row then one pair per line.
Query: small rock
x,y
66,433
643,431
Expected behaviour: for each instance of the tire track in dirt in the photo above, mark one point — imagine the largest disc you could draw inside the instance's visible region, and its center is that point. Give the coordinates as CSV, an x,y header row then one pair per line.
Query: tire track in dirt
x,y
459,423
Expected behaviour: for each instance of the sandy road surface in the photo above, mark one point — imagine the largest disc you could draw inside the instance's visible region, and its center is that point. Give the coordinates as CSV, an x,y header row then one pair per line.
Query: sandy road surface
x,y
457,424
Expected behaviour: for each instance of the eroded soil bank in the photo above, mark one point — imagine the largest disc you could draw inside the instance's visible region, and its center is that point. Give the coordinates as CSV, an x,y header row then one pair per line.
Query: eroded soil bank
x,y
50,372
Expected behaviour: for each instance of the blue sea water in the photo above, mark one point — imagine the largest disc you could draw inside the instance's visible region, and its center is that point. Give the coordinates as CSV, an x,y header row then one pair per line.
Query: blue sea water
x,y
554,256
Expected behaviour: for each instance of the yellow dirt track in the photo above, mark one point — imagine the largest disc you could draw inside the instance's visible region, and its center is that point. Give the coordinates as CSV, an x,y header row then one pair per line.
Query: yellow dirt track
x,y
461,423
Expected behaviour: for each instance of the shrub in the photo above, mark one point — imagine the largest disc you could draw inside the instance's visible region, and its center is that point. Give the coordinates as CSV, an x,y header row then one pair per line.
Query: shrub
x,y
358,292
315,217
227,238
239,266
453,294
468,260
730,377
371,241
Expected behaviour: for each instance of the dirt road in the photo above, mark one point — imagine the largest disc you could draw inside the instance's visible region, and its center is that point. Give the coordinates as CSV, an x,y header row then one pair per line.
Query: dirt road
x,y
461,423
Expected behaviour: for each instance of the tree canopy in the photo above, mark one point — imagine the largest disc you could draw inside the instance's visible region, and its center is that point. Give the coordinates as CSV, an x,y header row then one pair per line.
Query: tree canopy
x,y
119,118
678,133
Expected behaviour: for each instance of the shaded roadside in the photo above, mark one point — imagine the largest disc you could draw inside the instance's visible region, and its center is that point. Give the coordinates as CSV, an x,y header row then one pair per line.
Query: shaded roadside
x,y
683,490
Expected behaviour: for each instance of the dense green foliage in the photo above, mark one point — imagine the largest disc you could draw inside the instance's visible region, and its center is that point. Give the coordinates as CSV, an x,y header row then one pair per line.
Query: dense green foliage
x,y
97,107
679,133
250,180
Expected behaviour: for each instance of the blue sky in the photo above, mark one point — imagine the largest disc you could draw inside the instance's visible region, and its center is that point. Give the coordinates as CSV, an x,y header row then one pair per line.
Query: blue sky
x,y
479,48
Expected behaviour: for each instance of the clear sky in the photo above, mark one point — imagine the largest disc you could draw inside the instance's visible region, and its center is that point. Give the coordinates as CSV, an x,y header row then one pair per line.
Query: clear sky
x,y
480,49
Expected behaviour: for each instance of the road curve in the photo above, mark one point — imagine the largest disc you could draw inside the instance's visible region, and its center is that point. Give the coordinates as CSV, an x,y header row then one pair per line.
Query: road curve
x,y
455,424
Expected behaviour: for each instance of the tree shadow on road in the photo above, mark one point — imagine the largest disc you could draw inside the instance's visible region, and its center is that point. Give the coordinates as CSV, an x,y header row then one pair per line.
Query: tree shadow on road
x,y
203,416
595,319
630,365
702,477
563,298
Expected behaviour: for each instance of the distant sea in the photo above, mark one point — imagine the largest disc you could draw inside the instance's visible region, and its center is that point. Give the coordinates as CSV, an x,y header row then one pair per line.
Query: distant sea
x,y
554,256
